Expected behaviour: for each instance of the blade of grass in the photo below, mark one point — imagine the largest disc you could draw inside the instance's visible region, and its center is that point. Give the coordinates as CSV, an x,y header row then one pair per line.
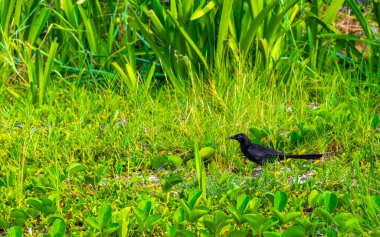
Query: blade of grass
x,y
201,12
190,41
223,29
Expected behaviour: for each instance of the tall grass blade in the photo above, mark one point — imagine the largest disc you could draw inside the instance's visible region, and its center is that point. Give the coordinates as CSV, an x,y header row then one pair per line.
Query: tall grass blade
x,y
190,42
47,70
223,29
148,79
201,173
360,17
246,42
201,12
177,83
92,37
331,11
376,10
38,24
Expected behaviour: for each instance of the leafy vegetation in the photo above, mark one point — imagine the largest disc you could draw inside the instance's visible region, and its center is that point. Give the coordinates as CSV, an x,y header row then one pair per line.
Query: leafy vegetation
x,y
114,118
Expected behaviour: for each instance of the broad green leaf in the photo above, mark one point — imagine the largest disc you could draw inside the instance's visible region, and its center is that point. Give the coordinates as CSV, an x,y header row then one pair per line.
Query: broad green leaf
x,y
19,222
140,214
159,162
207,152
290,216
32,212
242,203
238,233
331,201
122,218
351,226
172,230
341,218
324,215
4,223
255,221
224,177
270,197
375,121
151,221
375,201
58,228
34,202
93,223
146,207
280,200
194,198
198,212
235,213
220,216
171,181
313,198
185,207
179,216
185,233
18,214
15,231
269,223
271,234
105,214
210,225
75,168
204,233
109,229
294,231
279,215
234,191
176,161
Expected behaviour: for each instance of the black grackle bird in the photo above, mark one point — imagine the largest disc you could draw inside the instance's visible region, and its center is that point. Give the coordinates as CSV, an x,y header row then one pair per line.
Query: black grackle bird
x,y
262,154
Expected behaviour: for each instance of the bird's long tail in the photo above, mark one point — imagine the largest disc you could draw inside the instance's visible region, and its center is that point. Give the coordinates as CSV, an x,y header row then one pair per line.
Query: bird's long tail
x,y
305,156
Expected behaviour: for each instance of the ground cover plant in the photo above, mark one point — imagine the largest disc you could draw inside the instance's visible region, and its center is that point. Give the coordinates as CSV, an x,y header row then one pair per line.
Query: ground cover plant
x,y
115,114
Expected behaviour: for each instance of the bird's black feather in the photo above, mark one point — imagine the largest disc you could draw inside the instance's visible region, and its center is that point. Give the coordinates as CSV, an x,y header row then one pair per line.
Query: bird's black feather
x,y
261,154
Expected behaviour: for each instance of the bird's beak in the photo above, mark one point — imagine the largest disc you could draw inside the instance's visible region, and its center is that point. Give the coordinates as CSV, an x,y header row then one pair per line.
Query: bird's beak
x,y
231,138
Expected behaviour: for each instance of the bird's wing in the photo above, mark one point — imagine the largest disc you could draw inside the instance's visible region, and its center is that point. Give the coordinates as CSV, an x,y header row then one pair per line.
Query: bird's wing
x,y
263,152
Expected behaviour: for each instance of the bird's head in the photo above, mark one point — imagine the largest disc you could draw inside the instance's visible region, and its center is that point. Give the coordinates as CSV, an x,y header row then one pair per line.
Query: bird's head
x,y
240,137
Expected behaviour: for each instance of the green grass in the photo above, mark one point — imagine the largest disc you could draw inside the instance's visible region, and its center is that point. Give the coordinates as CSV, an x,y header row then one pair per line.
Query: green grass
x,y
114,118
116,138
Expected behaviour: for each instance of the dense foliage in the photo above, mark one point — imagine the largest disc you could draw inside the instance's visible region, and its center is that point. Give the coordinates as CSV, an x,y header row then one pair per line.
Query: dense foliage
x,y
114,116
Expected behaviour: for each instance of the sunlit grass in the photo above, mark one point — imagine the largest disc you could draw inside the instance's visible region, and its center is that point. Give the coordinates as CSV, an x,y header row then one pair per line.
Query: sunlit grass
x,y
132,106
117,137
